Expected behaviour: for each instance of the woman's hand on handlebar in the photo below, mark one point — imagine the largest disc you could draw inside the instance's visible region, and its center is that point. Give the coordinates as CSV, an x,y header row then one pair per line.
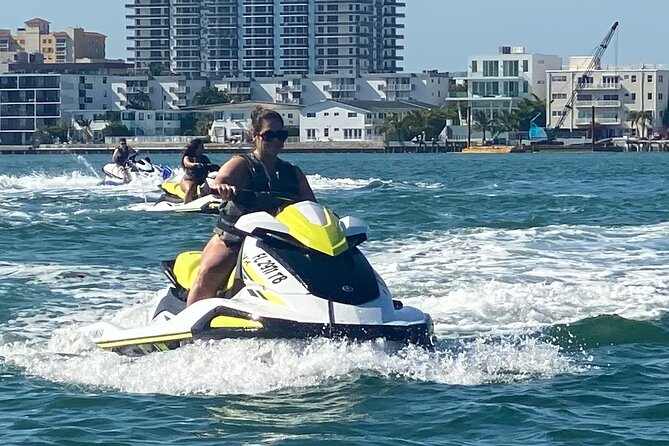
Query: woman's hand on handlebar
x,y
225,191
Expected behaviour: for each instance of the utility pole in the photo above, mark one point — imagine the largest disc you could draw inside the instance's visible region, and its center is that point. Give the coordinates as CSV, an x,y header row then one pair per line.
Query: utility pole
x,y
469,125
593,128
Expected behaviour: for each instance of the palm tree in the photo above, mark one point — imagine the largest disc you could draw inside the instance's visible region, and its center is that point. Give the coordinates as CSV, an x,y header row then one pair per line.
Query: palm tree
x,y
482,122
393,125
203,124
436,121
646,119
210,96
633,118
528,108
508,121
453,112
85,125
416,122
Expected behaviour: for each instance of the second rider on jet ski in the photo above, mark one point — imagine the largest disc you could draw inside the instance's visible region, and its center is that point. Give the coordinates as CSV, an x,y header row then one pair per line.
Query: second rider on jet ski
x,y
197,167
261,170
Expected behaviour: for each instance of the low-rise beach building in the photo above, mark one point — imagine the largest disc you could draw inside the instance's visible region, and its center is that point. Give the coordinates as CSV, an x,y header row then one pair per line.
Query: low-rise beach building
x,y
232,122
332,120
497,82
618,95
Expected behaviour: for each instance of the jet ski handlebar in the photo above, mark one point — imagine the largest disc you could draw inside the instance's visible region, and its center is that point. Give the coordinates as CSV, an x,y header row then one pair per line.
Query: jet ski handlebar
x,y
254,199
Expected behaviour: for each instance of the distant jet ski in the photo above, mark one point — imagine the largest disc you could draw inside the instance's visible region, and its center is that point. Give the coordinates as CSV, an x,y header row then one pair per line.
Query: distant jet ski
x,y
298,275
172,199
142,168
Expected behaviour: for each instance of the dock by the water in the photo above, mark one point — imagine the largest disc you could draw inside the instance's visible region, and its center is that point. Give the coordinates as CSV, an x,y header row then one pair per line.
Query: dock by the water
x,y
342,147
310,147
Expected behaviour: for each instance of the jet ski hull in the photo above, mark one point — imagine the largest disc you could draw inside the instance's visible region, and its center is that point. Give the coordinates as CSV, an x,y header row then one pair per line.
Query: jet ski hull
x,y
216,320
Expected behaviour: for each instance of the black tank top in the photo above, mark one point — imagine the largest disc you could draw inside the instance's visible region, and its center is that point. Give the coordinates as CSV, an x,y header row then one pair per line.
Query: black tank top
x,y
282,179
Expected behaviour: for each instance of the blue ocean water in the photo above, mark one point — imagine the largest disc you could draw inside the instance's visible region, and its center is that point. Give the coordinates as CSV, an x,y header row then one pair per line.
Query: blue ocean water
x,y
546,275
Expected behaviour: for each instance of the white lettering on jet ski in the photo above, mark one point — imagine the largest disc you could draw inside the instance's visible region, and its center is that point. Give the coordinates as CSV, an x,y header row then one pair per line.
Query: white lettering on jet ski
x,y
269,268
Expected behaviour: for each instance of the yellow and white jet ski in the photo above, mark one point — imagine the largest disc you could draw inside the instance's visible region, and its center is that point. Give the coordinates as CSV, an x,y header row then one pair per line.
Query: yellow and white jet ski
x,y
172,199
299,275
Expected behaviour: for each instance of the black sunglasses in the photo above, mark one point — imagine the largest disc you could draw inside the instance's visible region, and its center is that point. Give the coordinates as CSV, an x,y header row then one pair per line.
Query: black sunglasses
x,y
269,135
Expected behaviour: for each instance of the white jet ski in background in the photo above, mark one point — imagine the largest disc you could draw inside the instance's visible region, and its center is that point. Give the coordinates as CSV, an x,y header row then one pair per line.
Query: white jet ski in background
x,y
143,168
298,275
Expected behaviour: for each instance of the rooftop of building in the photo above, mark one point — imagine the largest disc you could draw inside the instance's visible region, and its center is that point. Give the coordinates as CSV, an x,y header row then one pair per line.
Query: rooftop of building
x,y
36,21
241,105
105,67
378,106
94,34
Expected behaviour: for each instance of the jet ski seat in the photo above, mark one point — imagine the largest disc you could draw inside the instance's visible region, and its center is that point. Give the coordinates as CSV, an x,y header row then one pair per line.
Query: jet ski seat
x,y
186,267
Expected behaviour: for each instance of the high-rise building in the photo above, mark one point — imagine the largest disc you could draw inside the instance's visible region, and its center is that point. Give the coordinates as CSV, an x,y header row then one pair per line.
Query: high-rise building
x,y
261,38
69,46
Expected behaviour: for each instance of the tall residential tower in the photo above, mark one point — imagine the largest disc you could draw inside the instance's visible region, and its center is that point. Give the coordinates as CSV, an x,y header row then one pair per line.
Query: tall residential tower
x,y
262,38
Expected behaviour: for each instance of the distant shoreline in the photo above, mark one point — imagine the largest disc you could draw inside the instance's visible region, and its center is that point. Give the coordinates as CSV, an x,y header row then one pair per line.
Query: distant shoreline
x,y
315,147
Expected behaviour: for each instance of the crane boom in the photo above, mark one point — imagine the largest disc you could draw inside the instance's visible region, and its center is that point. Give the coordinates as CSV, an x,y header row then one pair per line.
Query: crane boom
x,y
582,82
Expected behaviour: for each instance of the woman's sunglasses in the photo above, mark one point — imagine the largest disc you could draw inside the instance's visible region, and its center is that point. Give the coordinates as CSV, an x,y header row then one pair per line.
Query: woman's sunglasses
x,y
270,135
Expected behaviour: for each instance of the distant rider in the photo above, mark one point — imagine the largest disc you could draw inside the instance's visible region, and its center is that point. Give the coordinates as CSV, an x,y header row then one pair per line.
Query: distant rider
x,y
122,157
197,167
261,170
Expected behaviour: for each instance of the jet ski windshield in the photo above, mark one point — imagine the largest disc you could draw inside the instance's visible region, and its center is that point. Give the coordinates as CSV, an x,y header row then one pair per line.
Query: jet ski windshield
x,y
347,278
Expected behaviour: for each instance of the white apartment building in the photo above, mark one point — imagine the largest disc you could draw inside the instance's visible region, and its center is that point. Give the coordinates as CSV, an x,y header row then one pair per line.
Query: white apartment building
x,y
262,38
332,120
613,92
430,87
498,82
27,101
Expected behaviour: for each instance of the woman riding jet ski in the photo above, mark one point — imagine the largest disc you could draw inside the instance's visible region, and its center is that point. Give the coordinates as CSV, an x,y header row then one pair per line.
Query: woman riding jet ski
x,y
298,275
192,193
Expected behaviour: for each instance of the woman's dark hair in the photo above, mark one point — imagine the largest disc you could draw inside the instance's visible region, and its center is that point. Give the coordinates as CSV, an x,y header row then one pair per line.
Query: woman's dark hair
x,y
260,114
120,140
191,148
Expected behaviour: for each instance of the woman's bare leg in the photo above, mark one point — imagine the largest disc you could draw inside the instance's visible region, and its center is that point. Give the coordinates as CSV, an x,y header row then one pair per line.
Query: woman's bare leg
x,y
216,265
190,188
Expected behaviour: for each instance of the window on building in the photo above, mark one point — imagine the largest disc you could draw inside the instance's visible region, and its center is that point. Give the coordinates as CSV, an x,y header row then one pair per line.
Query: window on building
x,y
633,79
526,66
660,78
660,96
634,96
650,78
311,133
326,132
352,115
650,96
475,66
311,115
490,68
510,68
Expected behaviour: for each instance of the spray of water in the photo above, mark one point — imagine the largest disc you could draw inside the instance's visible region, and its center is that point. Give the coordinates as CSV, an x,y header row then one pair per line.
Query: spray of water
x,y
82,159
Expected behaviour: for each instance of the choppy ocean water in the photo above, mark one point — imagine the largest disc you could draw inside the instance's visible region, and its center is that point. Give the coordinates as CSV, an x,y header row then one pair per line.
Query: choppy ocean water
x,y
546,275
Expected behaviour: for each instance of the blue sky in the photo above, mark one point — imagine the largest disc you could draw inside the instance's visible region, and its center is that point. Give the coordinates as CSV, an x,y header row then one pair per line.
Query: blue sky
x,y
440,34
